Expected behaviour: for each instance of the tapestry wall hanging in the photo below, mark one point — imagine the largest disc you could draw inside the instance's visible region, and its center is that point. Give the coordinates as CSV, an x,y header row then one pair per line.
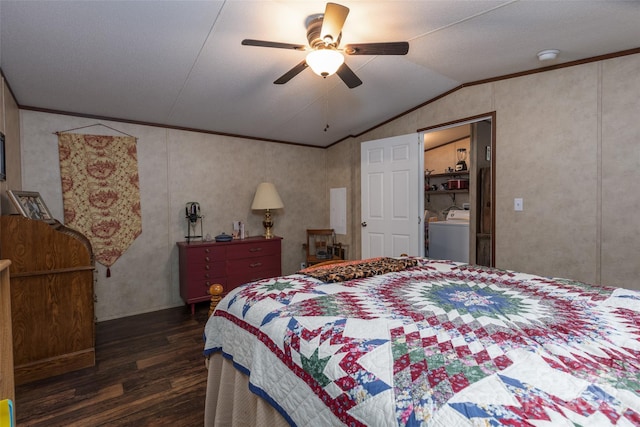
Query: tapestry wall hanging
x,y
100,190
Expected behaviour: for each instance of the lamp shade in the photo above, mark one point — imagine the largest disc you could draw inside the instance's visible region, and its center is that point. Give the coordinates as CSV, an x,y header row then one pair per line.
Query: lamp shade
x,y
267,197
325,62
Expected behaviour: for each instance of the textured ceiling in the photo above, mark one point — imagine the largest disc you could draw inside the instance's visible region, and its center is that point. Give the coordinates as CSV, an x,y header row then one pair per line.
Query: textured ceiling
x,y
180,63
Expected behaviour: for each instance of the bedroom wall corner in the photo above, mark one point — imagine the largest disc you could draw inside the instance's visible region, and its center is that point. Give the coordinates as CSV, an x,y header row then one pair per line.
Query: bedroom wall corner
x,y
564,136
620,163
175,167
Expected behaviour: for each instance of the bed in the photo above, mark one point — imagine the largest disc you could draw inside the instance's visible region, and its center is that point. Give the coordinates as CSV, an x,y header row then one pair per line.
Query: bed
x,y
419,342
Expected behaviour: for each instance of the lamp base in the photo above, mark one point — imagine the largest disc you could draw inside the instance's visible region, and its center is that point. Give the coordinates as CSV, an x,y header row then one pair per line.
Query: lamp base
x,y
267,223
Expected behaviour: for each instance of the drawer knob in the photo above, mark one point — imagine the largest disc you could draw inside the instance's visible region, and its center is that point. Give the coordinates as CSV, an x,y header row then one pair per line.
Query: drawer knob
x,y
207,259
207,276
255,249
207,250
255,264
207,267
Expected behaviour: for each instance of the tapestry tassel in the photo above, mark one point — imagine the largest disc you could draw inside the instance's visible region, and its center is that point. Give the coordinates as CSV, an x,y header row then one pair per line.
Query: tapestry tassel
x,y
108,271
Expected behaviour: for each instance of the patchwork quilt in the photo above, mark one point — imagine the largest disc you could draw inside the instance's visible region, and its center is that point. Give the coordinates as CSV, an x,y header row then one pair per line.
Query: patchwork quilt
x,y
436,344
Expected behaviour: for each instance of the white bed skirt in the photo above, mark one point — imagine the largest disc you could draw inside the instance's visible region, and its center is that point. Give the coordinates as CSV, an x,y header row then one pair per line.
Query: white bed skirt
x,y
229,401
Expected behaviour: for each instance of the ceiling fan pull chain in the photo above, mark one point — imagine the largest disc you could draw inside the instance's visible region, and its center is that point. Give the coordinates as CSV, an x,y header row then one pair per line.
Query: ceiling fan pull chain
x,y
326,104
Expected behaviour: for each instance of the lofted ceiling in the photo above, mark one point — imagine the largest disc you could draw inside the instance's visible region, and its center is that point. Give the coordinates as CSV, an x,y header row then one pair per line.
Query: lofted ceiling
x,y
181,63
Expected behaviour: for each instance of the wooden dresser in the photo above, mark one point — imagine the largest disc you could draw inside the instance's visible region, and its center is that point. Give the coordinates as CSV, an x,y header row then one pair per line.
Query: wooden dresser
x,y
51,297
230,264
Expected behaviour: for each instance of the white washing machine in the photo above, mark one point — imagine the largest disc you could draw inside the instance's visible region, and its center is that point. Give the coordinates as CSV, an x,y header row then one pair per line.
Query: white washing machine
x,y
450,239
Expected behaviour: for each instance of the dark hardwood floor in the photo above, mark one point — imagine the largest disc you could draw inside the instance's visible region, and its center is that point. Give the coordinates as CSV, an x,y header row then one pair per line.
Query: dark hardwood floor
x,y
149,372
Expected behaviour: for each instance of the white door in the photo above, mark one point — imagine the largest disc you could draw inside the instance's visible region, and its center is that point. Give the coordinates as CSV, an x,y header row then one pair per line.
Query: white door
x,y
391,197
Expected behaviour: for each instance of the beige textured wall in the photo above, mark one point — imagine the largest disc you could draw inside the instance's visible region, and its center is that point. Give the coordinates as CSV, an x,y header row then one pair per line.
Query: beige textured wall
x,y
340,174
219,172
546,148
10,126
568,143
620,171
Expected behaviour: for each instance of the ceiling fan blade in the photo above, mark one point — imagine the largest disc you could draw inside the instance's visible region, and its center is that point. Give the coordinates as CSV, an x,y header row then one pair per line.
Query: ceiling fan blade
x,y
334,17
389,48
277,45
291,73
348,76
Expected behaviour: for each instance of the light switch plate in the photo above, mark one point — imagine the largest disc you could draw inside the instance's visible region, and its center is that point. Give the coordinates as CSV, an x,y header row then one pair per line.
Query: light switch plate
x,y
518,204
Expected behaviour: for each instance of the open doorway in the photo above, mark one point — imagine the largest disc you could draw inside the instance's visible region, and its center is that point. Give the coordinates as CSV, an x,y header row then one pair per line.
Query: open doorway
x,y
459,176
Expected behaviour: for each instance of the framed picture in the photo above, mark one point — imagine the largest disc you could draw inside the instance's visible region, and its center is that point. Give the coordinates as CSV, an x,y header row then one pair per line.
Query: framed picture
x,y
31,205
3,163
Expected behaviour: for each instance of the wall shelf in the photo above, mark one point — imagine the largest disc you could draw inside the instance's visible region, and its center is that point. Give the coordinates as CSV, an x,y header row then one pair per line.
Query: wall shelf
x,y
447,174
441,178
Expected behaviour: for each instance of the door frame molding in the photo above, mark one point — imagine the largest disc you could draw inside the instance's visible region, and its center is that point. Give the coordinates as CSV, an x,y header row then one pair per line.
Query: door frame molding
x,y
470,120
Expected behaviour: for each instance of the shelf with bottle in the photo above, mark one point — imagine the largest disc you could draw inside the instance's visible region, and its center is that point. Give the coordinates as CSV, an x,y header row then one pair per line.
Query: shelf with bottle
x,y
440,186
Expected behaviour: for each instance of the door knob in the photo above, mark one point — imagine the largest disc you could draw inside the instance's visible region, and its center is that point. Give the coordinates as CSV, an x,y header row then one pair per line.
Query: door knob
x,y
363,223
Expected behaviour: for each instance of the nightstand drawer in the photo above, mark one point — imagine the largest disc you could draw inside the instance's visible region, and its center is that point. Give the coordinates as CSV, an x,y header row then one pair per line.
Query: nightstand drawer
x,y
204,254
253,249
205,271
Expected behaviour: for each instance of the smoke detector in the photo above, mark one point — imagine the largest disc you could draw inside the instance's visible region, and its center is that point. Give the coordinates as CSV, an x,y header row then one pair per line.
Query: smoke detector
x,y
548,55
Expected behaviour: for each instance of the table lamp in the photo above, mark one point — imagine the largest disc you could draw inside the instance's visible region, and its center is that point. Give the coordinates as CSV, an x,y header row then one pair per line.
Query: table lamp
x,y
267,198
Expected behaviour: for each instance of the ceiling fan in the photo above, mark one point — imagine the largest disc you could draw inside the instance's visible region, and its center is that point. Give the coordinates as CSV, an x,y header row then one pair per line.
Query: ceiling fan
x,y
324,32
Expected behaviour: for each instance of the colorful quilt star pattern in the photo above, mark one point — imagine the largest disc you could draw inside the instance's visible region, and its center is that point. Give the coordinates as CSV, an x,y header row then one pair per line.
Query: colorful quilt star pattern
x,y
438,344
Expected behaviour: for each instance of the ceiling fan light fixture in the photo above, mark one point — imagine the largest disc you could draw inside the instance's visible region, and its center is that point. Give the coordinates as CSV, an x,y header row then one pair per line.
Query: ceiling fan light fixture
x,y
325,62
